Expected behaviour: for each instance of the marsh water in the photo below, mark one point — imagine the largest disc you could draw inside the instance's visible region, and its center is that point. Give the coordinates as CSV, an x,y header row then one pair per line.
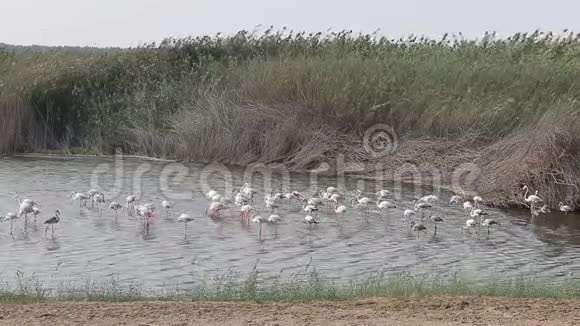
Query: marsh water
x,y
97,247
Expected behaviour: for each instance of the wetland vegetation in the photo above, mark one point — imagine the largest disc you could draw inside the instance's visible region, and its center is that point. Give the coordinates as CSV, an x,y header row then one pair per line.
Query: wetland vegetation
x,y
507,106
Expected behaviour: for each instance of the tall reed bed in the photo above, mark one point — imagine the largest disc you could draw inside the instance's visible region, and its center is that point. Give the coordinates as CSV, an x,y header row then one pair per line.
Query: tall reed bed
x,y
507,105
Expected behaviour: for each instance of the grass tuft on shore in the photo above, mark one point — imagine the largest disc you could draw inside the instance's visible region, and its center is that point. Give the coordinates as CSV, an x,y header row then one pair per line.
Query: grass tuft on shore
x,y
314,288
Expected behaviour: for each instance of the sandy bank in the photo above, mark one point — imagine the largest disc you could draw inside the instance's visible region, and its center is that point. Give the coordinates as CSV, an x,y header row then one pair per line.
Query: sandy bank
x,y
379,311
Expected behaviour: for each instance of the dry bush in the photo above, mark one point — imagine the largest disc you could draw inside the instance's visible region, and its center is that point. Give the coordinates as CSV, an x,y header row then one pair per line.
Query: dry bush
x,y
545,156
217,129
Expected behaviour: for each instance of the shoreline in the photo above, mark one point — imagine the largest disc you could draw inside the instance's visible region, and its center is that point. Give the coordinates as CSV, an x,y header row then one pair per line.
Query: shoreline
x,y
362,175
64,155
437,179
309,287
424,310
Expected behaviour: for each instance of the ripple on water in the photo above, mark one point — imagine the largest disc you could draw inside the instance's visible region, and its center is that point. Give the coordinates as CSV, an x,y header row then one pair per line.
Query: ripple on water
x,y
98,247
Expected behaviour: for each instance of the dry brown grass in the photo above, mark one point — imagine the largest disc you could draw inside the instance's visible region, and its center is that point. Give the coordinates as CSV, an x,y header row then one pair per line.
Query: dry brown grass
x,y
221,130
543,156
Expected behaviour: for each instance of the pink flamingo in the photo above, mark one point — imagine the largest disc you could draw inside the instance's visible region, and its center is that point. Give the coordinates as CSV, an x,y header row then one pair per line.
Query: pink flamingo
x,y
246,210
146,211
214,209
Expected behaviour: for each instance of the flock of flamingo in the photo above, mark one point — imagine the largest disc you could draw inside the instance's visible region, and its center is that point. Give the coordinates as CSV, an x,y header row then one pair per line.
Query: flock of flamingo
x,y
243,198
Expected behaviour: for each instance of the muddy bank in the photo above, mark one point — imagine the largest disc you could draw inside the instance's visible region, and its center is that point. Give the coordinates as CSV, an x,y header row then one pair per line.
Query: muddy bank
x,y
380,311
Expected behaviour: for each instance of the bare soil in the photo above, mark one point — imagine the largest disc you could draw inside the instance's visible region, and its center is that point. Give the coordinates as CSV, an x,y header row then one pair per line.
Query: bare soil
x,y
379,311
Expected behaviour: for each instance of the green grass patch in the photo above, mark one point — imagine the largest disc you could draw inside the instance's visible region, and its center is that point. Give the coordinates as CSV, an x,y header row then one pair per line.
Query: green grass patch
x,y
315,287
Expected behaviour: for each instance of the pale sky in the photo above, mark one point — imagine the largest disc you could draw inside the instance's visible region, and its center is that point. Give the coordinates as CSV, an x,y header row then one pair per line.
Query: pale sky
x,y
133,22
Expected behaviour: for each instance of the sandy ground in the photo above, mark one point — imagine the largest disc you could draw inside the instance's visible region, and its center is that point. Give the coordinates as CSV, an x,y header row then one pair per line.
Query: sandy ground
x,y
411,311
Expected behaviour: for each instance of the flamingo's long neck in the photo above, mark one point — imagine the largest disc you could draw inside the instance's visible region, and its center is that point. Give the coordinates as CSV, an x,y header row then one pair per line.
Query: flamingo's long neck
x,y
526,194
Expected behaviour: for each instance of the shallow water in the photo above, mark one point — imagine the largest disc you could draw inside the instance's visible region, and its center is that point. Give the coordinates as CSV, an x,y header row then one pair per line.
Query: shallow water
x,y
87,246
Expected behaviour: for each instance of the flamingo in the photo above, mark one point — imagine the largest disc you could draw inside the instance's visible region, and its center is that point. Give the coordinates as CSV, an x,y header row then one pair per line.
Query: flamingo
x,y
334,199
418,227
99,199
10,217
26,201
131,200
385,204
455,199
429,199
340,210
92,193
250,192
25,209
478,213
488,222
240,199
435,220
477,200
326,196
531,199
383,193
278,197
309,219
271,203
542,210
565,208
467,206
146,211
261,220
115,206
52,222
215,208
273,219
408,213
314,201
332,190
470,223
149,206
184,218
361,202
245,211
36,212
210,194
310,208
167,205
82,198
298,196
423,206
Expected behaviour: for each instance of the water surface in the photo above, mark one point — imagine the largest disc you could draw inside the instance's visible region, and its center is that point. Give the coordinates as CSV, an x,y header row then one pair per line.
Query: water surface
x,y
89,246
